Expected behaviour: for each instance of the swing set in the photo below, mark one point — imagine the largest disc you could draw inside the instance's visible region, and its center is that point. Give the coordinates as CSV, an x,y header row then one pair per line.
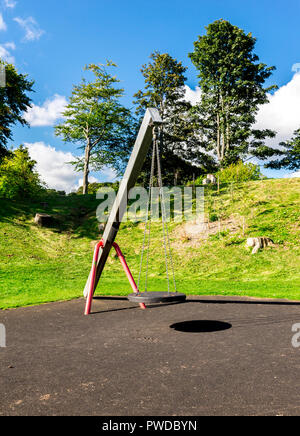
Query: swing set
x,y
150,133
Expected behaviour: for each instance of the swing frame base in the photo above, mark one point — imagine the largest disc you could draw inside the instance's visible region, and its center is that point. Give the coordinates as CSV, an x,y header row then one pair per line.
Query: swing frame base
x,y
121,257
156,297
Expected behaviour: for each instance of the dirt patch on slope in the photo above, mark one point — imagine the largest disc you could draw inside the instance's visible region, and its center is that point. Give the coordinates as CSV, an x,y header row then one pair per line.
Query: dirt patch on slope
x,y
194,233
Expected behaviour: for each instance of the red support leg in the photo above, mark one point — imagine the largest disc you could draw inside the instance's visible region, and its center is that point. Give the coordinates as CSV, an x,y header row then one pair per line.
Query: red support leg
x,y
90,295
127,271
93,275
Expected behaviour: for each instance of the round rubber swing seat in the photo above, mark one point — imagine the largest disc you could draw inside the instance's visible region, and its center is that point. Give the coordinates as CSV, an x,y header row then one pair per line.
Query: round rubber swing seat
x,y
156,297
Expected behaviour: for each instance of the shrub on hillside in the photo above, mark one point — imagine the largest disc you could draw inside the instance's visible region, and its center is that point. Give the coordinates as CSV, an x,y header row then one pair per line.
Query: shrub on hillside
x,y
55,193
93,187
18,179
198,181
239,172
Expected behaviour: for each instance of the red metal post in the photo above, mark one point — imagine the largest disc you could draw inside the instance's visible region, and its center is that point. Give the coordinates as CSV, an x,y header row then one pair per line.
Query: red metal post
x,y
127,271
93,275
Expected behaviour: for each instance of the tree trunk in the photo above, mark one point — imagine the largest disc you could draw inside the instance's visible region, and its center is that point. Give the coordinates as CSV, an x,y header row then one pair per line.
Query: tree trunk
x,y
176,177
218,138
223,135
86,168
227,129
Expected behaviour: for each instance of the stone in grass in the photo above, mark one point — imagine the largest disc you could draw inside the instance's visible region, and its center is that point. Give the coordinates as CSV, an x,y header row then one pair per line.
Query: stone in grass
x,y
44,220
259,243
210,179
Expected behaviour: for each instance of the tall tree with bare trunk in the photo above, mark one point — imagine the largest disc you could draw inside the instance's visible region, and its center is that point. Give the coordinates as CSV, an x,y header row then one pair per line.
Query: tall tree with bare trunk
x,y
232,83
97,123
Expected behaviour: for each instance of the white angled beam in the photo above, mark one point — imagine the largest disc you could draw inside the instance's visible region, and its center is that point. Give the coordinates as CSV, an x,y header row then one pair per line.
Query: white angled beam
x,y
137,158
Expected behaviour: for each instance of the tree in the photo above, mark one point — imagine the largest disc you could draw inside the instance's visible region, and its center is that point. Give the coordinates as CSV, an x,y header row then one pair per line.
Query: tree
x,y
231,80
97,123
290,154
14,101
18,178
165,91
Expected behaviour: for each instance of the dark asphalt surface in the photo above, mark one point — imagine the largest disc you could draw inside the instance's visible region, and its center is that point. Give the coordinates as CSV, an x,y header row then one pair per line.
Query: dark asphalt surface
x,y
208,356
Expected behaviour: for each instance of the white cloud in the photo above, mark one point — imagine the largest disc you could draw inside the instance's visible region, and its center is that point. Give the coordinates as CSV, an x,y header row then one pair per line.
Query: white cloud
x,y
192,95
10,45
282,113
109,175
296,67
56,172
5,52
92,179
2,23
10,3
53,167
293,175
32,30
48,113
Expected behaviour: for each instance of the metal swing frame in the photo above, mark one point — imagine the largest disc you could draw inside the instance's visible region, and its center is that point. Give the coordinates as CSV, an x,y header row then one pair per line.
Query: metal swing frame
x,y
143,142
122,259
157,297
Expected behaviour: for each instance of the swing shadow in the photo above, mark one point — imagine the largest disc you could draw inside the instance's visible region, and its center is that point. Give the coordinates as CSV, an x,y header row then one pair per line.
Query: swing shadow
x,y
99,297
104,297
255,302
200,326
113,310
150,306
208,301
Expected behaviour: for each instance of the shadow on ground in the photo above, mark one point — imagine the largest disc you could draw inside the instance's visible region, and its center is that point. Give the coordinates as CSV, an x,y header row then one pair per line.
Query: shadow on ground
x,y
200,326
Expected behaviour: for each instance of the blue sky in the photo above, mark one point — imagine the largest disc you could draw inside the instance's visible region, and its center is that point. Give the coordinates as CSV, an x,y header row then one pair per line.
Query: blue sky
x,y
52,40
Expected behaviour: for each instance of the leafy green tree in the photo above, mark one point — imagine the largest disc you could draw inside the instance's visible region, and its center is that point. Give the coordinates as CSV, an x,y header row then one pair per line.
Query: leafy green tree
x,y
97,123
18,178
14,101
232,83
290,154
164,84
165,90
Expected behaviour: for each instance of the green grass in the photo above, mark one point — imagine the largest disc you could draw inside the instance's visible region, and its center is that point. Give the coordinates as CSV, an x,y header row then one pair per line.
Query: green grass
x,y
42,265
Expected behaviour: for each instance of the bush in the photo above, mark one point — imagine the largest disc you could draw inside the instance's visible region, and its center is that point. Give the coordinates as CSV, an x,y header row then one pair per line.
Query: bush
x,y
18,179
240,172
93,187
213,217
198,181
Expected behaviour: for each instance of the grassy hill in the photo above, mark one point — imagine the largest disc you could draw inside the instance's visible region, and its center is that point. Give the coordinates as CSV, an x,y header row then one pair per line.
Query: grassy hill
x,y
39,265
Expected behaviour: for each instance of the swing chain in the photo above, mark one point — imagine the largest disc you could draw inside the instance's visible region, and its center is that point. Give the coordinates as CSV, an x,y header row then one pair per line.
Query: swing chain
x,y
157,142
147,220
167,245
